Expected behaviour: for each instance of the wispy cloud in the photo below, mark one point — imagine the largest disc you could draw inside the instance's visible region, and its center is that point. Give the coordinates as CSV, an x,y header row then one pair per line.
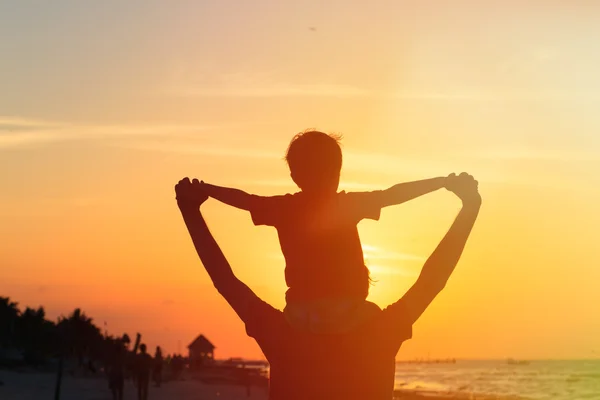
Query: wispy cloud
x,y
386,262
16,132
529,61
382,163
240,88
378,269
377,253
188,81
45,205
248,85
289,184
380,261
493,95
13,122
200,149
269,90
537,154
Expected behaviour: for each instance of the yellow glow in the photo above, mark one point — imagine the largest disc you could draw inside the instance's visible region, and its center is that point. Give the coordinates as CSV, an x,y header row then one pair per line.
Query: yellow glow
x,y
87,211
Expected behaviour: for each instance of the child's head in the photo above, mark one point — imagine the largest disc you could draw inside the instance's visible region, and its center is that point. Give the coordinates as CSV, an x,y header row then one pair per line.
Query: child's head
x,y
315,161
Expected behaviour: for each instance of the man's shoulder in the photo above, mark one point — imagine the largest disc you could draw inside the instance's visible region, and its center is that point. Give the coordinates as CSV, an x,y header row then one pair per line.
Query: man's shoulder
x,y
276,200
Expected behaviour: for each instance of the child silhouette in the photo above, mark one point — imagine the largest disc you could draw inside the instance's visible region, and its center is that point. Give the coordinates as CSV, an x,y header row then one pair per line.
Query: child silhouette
x,y
328,281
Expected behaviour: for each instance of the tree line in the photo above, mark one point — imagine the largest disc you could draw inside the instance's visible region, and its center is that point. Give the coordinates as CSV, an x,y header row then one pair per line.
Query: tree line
x,y
38,339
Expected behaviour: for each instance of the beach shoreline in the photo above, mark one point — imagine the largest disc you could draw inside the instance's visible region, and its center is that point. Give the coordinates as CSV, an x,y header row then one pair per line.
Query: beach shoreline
x,y
431,395
32,385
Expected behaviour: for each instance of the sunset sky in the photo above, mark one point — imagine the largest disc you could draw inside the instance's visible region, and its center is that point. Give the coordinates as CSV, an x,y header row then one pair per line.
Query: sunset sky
x,y
104,106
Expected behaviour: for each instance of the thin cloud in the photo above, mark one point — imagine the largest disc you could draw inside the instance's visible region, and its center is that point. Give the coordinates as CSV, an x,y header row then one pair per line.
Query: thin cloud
x,y
377,253
240,89
270,90
386,262
492,95
536,155
47,206
439,96
18,132
378,259
278,183
529,62
12,140
381,163
186,81
200,149
12,122
286,184
359,186
244,85
377,269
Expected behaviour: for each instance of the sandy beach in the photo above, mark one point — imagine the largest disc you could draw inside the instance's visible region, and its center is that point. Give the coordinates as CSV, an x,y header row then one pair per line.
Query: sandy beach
x,y
34,386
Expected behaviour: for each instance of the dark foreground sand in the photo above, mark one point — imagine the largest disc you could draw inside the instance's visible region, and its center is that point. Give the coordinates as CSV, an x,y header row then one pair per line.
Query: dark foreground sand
x,y
34,386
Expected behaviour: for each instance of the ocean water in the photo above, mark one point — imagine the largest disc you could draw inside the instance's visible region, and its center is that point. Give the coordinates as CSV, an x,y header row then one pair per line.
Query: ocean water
x,y
538,380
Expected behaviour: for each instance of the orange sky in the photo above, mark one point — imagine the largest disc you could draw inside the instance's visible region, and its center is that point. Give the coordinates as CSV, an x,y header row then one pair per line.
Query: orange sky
x,y
105,106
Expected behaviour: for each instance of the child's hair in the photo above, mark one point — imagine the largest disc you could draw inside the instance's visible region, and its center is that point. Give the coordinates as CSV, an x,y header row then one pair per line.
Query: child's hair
x,y
315,160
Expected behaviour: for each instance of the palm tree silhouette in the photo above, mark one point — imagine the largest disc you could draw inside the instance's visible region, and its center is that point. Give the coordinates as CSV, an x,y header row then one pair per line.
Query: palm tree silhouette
x,y
9,315
36,335
81,337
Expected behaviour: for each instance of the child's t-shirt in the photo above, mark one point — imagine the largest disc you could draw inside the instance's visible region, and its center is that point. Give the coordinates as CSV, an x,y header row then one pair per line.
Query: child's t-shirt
x,y
320,242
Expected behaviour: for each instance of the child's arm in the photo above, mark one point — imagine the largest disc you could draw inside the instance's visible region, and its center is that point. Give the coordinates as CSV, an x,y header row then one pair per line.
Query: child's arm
x,y
369,204
234,197
404,192
265,210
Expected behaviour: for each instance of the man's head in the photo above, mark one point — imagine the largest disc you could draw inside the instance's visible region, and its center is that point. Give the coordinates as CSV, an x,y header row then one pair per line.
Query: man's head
x,y
315,161
143,348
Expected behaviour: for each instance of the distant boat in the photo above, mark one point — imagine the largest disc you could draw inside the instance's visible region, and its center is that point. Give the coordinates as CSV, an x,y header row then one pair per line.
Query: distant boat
x,y
512,361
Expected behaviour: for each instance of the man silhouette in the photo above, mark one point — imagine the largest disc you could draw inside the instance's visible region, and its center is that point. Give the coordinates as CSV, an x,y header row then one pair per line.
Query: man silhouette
x,y
142,371
328,281
359,364
116,371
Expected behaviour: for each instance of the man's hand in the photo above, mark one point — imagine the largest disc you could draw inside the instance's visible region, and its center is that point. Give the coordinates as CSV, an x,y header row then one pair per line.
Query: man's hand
x,y
465,187
189,195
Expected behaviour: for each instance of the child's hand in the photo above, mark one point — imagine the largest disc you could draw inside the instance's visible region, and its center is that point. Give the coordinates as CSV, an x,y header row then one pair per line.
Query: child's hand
x,y
450,181
453,180
189,195
464,186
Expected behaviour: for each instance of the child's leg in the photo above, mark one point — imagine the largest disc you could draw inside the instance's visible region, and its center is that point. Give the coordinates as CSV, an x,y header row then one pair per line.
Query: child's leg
x,y
329,316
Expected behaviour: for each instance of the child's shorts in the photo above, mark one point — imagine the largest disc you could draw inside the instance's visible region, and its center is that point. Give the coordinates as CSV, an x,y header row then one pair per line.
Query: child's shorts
x,y
329,316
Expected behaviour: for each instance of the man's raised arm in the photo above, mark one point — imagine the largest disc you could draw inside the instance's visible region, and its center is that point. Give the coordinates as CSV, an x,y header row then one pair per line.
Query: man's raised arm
x,y
443,260
189,198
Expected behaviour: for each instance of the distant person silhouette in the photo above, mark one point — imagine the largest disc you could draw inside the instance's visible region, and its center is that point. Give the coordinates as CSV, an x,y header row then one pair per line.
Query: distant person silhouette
x,y
143,368
177,366
325,269
116,371
158,365
357,364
